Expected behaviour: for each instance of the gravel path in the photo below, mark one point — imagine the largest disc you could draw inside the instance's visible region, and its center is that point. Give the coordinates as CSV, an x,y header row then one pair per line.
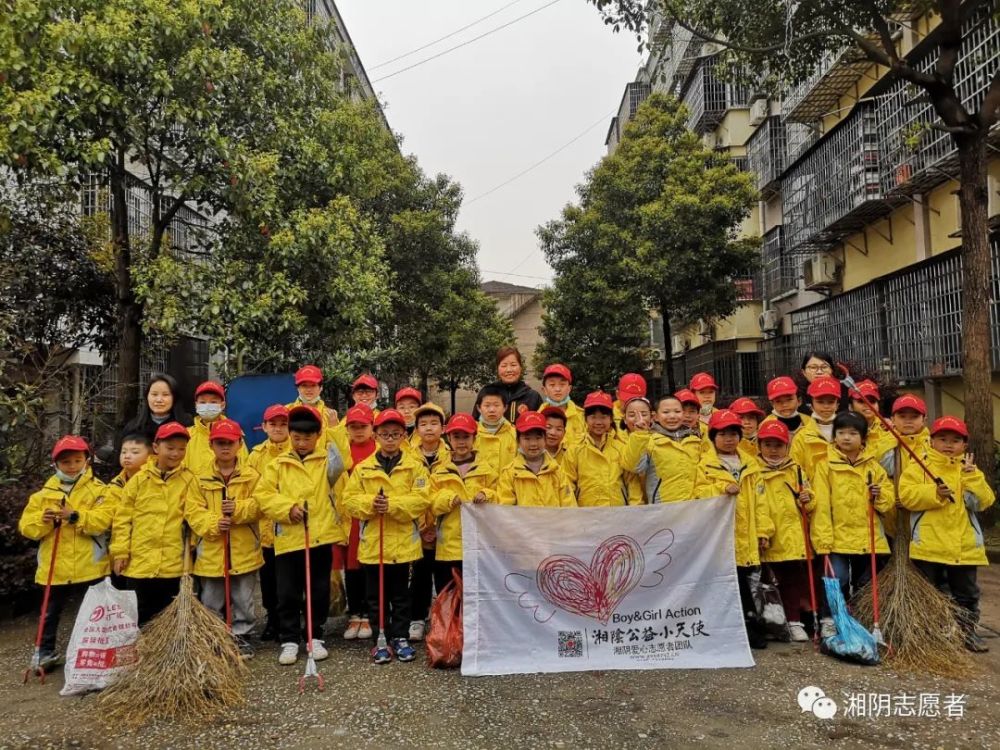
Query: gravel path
x,y
409,705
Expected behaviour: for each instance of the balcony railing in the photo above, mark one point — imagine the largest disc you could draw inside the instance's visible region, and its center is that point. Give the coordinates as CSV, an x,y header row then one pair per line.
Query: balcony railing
x,y
798,139
679,50
916,157
766,154
836,188
708,97
780,269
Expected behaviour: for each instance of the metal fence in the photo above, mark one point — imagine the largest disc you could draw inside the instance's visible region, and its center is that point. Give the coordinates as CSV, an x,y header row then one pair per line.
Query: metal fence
x,y
780,269
737,373
766,150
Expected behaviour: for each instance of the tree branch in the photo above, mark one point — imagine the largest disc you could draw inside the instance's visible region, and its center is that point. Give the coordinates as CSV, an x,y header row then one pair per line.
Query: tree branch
x,y
954,129
989,110
881,27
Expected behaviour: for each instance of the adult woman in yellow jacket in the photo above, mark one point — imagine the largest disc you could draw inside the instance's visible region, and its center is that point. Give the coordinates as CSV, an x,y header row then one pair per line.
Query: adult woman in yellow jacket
x,y
947,542
667,455
389,492
593,466
846,485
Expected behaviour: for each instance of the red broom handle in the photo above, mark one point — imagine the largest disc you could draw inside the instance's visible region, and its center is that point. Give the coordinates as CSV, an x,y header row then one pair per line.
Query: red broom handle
x,y
226,562
48,585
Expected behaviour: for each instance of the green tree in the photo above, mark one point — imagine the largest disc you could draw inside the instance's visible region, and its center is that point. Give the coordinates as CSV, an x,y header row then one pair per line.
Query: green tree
x,y
668,209
183,93
592,309
778,43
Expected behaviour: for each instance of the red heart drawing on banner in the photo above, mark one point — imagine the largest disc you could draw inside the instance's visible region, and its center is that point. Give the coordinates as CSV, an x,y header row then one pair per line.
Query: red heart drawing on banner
x,y
596,590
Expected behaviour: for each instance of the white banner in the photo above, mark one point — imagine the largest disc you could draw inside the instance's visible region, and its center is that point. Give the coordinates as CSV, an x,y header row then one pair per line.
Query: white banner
x,y
575,589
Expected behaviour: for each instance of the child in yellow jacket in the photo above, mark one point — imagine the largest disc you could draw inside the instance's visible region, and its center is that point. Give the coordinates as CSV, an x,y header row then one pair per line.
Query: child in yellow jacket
x,y
388,492
557,382
667,455
224,517
135,452
275,425
725,470
463,478
293,492
555,432
533,478
70,507
309,384
593,466
149,544
853,493
496,441
947,538
865,400
750,418
210,406
909,418
784,506
637,416
811,444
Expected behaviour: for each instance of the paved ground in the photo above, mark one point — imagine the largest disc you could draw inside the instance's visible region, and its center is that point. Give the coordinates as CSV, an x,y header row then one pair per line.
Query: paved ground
x,y
403,706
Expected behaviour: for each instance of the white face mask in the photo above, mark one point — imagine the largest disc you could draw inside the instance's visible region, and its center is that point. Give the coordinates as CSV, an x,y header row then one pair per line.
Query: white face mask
x,y
208,411
65,478
309,401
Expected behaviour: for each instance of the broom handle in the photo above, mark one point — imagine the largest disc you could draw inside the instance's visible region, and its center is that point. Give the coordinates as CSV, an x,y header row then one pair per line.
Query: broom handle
x,y
48,580
871,540
226,560
809,557
873,405
309,608
381,572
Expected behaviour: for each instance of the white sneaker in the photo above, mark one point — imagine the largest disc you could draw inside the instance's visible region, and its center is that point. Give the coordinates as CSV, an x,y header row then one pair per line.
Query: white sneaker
x,y
351,633
289,654
797,633
319,651
417,630
827,628
364,629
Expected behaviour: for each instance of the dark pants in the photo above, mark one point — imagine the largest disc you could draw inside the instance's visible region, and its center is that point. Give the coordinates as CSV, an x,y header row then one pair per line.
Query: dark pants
x,y
746,596
855,571
59,596
442,572
153,595
958,580
269,584
357,596
421,585
290,568
793,583
397,599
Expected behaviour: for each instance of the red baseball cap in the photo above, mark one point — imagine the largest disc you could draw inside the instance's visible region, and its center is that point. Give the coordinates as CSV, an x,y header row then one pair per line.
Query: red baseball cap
x,y
408,392
307,410
530,420
225,429
553,411
865,390
724,418
275,411
909,401
774,429
461,422
557,369
783,386
366,381
598,400
210,386
389,416
630,385
824,385
702,380
171,429
687,397
308,374
745,405
359,414
950,424
69,443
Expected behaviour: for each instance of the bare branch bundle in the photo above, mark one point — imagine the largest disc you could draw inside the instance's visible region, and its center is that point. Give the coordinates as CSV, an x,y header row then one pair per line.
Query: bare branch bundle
x,y
918,621
188,668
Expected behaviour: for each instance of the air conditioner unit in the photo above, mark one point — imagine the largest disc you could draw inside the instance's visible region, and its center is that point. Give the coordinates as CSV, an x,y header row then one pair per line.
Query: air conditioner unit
x,y
820,272
656,355
758,112
769,320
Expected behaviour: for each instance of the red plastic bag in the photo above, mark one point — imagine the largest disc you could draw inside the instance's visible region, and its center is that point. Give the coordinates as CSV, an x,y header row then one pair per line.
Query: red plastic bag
x,y
444,642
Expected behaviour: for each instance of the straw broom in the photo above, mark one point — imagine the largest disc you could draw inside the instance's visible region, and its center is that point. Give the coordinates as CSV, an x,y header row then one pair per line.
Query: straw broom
x,y
188,667
918,621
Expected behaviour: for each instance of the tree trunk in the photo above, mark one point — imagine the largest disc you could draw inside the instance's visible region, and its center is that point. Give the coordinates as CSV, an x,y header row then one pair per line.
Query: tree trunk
x,y
977,363
668,352
425,385
454,390
129,309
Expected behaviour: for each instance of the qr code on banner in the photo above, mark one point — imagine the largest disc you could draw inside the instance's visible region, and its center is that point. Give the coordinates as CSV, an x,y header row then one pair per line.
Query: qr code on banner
x,y
570,643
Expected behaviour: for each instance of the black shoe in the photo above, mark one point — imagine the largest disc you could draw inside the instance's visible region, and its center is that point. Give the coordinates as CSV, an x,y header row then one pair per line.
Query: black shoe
x,y
756,634
975,643
270,632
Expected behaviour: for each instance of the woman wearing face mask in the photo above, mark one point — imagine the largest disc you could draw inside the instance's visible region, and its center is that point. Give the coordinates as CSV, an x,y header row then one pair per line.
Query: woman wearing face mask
x,y
159,406
519,396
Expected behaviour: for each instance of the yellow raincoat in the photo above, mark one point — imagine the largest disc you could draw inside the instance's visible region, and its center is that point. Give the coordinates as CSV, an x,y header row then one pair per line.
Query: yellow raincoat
x,y
199,457
83,551
713,478
203,513
498,449
809,448
446,483
778,516
670,466
259,459
596,476
519,485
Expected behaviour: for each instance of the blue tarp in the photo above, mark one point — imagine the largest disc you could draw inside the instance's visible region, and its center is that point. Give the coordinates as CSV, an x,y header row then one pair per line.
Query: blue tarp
x,y
248,396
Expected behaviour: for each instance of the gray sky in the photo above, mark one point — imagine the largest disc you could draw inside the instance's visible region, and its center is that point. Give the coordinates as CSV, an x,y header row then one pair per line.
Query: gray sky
x,y
487,111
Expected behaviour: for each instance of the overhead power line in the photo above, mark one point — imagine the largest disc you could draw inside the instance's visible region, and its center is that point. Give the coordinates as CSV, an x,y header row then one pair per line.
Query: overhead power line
x,y
466,43
446,36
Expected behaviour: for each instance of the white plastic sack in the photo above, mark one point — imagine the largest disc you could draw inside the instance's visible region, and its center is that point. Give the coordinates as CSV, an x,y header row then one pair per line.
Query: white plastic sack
x,y
103,640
